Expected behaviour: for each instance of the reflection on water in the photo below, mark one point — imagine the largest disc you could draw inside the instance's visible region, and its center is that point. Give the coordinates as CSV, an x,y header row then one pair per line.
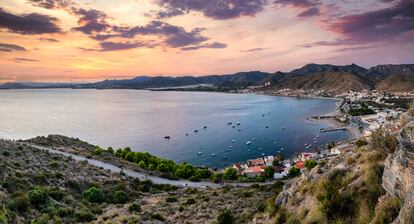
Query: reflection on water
x,y
141,119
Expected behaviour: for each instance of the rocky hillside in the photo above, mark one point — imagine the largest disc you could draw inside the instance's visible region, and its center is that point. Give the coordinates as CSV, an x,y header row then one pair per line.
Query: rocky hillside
x,y
372,183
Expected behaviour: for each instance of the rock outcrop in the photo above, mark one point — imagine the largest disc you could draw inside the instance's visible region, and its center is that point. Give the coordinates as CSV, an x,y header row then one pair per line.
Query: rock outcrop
x,y
398,177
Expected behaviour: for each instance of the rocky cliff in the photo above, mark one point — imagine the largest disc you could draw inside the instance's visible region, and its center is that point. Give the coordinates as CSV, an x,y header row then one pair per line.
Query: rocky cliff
x,y
398,177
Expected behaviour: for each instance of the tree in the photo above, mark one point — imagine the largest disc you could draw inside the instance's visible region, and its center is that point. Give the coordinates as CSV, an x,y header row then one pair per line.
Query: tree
x,y
129,156
230,174
120,197
293,172
110,150
216,177
94,195
142,164
276,162
37,196
310,164
225,217
163,168
361,142
268,172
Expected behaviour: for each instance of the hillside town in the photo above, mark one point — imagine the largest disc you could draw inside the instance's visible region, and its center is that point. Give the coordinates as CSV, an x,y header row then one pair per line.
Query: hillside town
x,y
364,112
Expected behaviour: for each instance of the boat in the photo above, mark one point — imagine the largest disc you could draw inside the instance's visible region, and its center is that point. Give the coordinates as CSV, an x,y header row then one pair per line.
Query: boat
x,y
213,154
283,128
199,153
260,148
229,123
239,130
233,126
248,150
267,126
274,142
167,137
281,149
230,146
238,123
224,157
263,115
263,154
233,141
248,142
253,139
195,131
186,134
228,149
205,127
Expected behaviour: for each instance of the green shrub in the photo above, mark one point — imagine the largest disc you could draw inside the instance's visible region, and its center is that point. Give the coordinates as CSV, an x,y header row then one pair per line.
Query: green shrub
x,y
37,196
293,172
387,211
40,178
84,215
120,197
54,164
56,193
171,199
230,174
98,151
190,201
134,207
157,217
94,195
225,217
63,212
268,172
310,164
19,203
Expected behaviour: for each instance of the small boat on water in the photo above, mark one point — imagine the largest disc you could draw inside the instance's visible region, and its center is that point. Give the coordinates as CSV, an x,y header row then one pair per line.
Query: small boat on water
x,y
248,150
281,149
263,115
267,126
213,154
239,130
233,141
167,137
233,126
230,146
274,142
224,157
238,123
253,139
195,131
283,128
186,134
248,142
263,154
205,127
228,149
199,153
260,148
229,123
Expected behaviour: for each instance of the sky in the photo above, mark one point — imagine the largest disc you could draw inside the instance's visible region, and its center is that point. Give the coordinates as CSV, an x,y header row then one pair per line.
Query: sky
x,y
86,40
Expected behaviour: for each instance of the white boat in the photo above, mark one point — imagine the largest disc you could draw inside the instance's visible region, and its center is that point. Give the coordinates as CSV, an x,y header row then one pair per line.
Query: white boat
x,y
281,149
199,153
260,148
228,149
253,139
248,142
233,141
230,146
213,154
224,157
263,154
274,142
248,150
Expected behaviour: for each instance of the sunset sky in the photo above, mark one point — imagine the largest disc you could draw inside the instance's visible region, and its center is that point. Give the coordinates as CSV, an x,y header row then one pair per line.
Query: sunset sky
x,y
85,40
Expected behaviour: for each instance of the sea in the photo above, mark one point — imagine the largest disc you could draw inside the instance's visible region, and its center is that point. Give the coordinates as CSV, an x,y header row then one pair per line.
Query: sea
x,y
197,123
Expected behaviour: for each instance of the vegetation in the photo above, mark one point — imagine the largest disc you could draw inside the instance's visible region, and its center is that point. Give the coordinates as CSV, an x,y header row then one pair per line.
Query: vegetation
x,y
230,174
163,166
94,195
310,164
293,172
361,142
225,217
361,109
384,140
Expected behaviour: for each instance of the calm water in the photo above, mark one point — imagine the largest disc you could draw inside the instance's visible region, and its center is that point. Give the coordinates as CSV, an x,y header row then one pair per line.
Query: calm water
x,y
141,119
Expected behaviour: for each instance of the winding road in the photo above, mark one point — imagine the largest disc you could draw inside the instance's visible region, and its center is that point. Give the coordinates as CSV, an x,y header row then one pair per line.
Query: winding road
x,y
144,176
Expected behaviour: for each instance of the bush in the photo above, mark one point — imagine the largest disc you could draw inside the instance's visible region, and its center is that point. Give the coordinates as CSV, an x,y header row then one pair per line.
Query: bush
x,y
225,217
120,197
384,140
56,193
293,172
387,211
98,151
230,174
54,164
37,196
268,172
310,164
361,142
216,177
94,195
171,199
134,207
157,217
190,201
84,215
19,203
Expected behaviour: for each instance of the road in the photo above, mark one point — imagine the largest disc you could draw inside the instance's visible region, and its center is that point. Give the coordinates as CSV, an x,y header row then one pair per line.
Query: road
x,y
144,176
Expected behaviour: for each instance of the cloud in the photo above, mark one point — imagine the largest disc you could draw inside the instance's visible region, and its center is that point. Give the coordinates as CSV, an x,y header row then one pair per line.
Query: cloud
x,y
215,9
20,60
51,4
52,40
215,45
115,46
11,47
254,49
91,20
309,8
33,23
379,25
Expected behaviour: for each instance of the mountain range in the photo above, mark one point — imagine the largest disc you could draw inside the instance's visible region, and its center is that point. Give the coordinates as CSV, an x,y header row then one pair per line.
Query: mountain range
x,y
330,78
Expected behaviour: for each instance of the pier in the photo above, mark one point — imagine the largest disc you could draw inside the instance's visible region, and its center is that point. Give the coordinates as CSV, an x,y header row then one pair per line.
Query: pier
x,y
332,129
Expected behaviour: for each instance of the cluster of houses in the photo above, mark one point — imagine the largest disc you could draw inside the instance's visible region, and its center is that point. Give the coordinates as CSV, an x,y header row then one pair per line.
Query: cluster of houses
x,y
255,167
